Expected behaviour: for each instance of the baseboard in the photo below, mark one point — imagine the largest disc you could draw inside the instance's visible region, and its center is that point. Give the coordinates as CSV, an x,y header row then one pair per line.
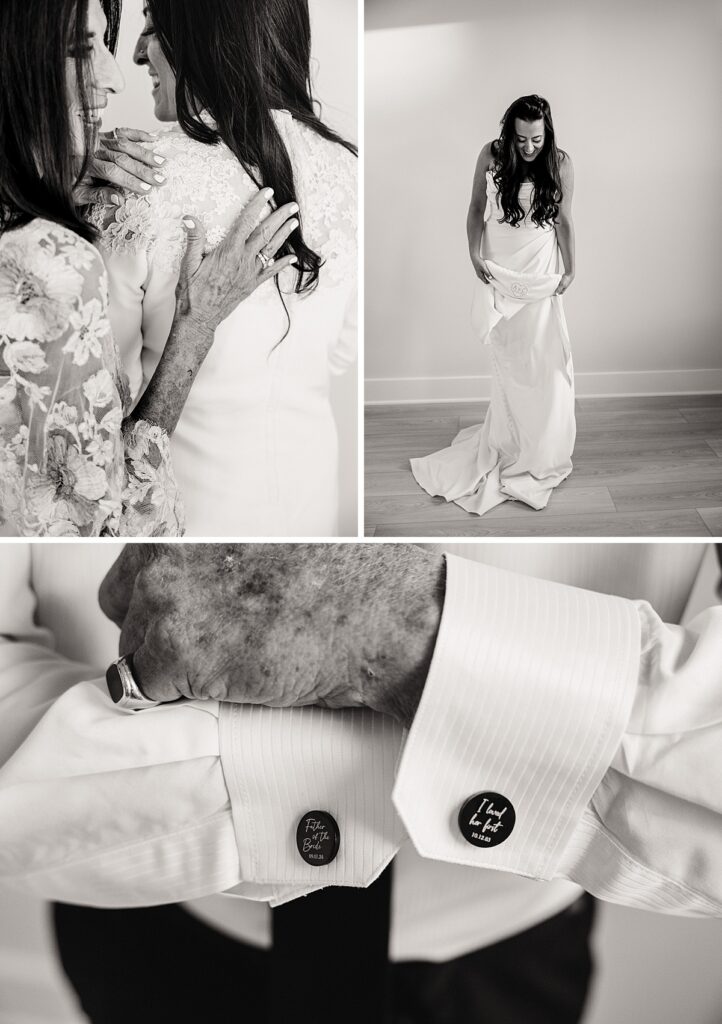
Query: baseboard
x,y
400,390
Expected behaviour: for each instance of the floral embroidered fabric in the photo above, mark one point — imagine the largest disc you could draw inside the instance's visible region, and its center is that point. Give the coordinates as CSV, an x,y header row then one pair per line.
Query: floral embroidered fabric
x,y
208,182
69,465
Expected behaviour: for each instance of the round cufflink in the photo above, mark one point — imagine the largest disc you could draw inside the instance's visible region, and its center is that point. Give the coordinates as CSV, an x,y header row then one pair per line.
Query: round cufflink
x,y
487,819
318,838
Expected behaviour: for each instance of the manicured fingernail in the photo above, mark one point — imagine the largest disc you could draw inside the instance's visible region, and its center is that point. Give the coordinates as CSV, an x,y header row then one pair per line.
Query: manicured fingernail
x,y
189,223
293,224
145,186
159,159
159,178
293,259
267,193
294,207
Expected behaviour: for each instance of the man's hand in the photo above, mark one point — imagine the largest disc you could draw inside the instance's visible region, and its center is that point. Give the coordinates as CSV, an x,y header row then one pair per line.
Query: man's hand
x,y
285,625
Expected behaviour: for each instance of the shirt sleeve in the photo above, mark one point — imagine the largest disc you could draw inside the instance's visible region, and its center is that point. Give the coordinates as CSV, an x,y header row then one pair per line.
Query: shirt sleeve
x,y
594,722
106,807
570,734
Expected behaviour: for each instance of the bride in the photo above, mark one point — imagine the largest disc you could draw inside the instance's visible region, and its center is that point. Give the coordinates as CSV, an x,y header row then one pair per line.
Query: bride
x,y
521,242
73,461
255,450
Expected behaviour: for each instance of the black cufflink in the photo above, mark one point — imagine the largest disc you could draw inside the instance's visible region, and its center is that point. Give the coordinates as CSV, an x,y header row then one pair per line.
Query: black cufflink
x,y
318,838
487,819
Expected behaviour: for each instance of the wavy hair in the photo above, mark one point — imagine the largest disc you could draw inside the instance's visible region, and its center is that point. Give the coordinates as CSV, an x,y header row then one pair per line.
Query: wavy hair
x,y
239,62
38,166
510,171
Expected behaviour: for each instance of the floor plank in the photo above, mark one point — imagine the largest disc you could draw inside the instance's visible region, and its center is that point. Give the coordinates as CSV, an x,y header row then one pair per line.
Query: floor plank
x,y
652,524
713,520
643,466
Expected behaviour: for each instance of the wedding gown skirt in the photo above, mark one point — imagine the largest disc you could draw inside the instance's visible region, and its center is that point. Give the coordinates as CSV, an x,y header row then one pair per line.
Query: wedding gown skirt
x,y
523,449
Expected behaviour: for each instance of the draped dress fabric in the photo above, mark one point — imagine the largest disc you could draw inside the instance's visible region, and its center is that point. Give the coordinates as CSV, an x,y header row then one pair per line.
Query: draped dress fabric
x,y
255,450
523,449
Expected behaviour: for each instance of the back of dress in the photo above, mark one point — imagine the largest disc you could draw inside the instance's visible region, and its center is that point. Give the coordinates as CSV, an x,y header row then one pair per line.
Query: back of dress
x,y
255,450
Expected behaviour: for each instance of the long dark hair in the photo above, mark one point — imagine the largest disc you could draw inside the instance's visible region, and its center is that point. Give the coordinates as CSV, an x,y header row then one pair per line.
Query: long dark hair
x,y
510,171
239,61
38,166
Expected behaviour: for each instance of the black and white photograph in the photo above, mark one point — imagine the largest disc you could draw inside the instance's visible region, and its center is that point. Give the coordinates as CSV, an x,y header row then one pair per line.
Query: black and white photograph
x,y
145,390
360,512
477,782
543,350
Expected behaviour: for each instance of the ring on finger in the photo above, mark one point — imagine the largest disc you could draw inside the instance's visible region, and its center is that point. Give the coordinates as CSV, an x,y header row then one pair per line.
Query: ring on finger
x,y
123,686
266,261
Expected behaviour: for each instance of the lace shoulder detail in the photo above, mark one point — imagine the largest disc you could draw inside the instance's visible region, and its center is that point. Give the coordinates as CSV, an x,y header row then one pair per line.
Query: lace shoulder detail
x,y
326,176
208,182
203,181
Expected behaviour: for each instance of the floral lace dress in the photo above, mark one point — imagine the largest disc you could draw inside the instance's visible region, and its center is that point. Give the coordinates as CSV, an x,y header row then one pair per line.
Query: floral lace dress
x,y
69,465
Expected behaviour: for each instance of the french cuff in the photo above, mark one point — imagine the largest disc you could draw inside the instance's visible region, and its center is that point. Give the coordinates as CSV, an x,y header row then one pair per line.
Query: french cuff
x,y
530,688
286,767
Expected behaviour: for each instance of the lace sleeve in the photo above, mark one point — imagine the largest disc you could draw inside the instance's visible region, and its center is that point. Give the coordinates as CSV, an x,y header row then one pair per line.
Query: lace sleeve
x,y
64,467
326,183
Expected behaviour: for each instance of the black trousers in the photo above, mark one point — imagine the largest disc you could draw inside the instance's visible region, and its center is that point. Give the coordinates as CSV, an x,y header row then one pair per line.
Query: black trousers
x,y
160,964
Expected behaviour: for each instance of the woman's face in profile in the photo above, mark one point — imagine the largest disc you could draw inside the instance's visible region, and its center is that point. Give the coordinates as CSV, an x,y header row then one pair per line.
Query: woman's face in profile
x,y
148,53
528,138
103,76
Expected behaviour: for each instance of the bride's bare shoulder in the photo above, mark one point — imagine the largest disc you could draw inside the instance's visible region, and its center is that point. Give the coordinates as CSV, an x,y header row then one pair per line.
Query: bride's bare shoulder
x,y
486,158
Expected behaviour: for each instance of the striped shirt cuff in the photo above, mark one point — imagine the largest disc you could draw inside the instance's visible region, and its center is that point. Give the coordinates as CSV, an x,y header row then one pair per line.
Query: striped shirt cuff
x,y
529,692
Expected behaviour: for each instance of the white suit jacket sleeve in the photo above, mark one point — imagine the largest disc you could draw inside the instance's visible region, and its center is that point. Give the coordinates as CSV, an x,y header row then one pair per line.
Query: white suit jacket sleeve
x,y
599,725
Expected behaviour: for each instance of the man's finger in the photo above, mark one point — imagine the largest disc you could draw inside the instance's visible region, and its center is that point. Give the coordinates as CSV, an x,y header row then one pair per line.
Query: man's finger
x,y
116,590
155,667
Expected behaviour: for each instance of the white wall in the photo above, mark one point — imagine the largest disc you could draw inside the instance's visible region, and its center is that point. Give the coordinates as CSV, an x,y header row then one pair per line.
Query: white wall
x,y
634,87
335,74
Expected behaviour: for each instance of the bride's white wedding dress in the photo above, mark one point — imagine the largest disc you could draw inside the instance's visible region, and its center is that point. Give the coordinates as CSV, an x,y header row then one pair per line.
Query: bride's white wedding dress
x,y
523,449
255,450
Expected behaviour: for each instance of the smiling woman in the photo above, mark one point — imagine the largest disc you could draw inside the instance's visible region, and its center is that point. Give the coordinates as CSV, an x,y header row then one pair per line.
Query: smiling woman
x,y
74,459
521,245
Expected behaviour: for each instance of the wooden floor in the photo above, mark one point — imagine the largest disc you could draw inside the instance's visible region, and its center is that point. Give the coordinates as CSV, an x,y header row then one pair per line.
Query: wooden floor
x,y
643,467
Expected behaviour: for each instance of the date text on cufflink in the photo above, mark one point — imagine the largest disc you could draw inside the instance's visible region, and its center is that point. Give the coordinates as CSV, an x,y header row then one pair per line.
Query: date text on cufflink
x,y
487,819
318,838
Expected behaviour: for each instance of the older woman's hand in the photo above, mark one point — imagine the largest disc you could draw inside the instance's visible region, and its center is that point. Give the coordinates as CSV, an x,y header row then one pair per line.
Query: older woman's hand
x,y
338,625
120,161
212,286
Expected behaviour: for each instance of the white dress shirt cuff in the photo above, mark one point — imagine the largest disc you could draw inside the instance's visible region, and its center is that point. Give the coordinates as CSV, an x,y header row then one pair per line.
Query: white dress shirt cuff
x,y
529,692
280,764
